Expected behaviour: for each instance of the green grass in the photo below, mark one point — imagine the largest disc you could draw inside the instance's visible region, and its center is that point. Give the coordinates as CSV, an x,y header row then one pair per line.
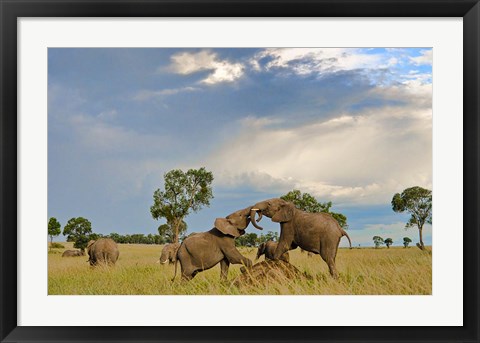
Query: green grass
x,y
362,271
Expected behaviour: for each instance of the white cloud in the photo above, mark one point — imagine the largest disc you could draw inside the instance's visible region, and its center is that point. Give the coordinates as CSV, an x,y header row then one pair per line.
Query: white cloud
x,y
360,158
317,60
221,70
392,61
148,94
425,58
418,78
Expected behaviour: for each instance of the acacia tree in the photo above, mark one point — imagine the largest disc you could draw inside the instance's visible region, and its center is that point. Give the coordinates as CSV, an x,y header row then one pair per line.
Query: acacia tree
x,y
184,193
53,229
388,242
418,202
78,230
377,240
406,242
307,203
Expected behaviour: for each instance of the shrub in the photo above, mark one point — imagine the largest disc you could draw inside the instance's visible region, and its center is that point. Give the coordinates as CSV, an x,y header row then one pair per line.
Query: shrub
x,y
56,245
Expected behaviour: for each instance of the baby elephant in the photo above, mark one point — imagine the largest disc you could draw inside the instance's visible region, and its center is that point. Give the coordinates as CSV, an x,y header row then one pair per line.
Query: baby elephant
x,y
204,250
169,253
268,248
103,250
73,253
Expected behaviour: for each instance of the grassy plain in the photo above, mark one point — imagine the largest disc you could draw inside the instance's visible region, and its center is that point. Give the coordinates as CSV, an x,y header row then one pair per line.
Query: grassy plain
x,y
394,271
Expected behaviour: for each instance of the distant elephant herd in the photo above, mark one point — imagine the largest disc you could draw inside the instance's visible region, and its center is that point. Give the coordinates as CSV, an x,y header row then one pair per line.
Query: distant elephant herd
x,y
101,251
317,233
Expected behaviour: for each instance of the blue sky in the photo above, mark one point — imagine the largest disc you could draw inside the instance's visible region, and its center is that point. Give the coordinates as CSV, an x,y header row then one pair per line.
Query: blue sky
x,y
351,126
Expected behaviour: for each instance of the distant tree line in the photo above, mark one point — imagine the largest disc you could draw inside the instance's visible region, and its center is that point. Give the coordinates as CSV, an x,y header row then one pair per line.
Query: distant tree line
x,y
79,231
253,240
136,238
184,193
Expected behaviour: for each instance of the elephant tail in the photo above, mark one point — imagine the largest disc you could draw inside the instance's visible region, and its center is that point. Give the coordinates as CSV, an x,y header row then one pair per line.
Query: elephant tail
x,y
344,233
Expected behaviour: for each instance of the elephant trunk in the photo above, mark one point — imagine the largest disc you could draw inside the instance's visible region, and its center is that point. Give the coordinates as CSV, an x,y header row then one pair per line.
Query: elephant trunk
x,y
253,212
163,258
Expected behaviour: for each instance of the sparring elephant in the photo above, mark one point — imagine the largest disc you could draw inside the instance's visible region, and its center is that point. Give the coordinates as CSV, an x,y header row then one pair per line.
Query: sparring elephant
x,y
102,251
169,253
268,249
73,253
205,250
318,233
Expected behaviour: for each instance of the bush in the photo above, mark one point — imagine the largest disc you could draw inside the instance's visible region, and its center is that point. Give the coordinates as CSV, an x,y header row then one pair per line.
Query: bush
x,y
56,245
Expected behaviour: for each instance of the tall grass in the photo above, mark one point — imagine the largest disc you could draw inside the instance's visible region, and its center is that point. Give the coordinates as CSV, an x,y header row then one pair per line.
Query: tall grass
x,y
362,271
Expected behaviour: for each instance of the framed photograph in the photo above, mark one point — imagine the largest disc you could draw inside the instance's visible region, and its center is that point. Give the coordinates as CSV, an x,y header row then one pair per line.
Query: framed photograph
x,y
150,136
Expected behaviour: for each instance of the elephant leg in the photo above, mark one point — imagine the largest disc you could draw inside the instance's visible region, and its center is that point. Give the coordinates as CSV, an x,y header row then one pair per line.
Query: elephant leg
x,y
234,257
224,264
187,275
328,254
284,243
331,268
187,270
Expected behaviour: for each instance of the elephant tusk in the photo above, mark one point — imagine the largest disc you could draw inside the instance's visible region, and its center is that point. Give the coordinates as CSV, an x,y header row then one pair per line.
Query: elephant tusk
x,y
164,262
255,209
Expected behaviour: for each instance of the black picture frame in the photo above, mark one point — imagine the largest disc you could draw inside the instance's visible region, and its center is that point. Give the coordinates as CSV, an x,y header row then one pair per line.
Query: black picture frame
x,y
11,10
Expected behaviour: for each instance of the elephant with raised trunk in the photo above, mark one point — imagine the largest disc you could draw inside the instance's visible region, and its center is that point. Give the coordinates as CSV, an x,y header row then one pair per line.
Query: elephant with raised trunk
x,y
268,249
169,253
205,250
318,233
102,251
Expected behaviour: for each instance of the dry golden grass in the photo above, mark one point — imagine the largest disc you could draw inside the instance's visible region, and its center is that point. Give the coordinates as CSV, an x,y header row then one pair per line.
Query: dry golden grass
x,y
395,271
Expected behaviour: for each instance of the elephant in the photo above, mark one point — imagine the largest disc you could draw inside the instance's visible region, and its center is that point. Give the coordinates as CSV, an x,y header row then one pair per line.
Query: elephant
x,y
268,248
318,233
73,253
205,250
169,253
103,250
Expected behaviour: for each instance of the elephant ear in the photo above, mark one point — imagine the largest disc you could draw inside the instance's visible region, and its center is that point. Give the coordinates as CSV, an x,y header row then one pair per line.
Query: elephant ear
x,y
224,226
284,214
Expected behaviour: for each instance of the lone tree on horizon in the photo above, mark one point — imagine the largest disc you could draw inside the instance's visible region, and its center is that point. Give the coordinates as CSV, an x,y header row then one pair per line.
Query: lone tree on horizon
x,y
388,242
308,203
377,240
418,202
184,193
78,230
406,242
53,229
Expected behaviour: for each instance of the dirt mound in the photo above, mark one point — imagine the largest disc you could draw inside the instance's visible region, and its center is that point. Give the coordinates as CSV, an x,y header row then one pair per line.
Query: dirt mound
x,y
268,271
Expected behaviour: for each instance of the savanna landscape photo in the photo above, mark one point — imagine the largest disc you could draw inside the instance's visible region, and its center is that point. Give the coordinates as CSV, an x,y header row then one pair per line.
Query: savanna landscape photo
x,y
239,171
